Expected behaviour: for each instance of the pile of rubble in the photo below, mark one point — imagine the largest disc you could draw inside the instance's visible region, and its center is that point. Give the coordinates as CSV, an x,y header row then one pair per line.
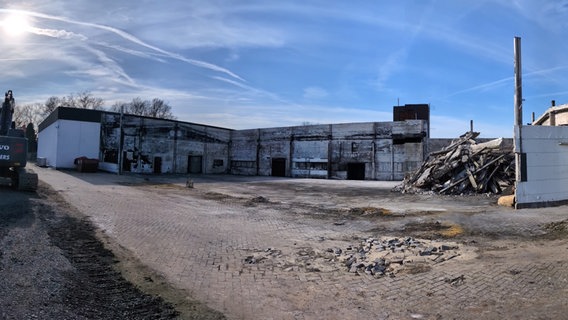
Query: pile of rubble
x,y
464,167
388,256
376,257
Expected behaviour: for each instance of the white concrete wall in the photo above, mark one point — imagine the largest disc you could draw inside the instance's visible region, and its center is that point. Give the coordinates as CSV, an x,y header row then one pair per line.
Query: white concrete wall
x,y
47,144
546,182
66,140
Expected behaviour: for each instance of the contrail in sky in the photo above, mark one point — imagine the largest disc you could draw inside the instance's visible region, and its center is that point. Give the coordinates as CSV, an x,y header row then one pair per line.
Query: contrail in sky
x,y
124,35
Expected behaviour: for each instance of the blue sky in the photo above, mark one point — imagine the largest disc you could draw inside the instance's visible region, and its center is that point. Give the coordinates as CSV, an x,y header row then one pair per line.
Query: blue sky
x,y
254,64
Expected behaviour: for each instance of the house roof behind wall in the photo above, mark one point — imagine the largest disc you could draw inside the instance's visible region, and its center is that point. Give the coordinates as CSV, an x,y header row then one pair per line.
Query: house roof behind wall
x,y
546,115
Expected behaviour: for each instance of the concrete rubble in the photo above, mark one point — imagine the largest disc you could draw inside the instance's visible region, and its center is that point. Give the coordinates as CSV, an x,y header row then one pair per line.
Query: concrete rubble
x,y
388,256
464,167
376,257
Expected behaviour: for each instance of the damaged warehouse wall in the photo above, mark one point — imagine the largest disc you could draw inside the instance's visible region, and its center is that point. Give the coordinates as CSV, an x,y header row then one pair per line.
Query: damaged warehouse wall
x,y
358,151
365,151
544,170
162,146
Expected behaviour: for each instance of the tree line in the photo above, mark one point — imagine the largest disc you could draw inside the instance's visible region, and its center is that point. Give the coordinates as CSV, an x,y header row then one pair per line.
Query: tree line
x,y
37,112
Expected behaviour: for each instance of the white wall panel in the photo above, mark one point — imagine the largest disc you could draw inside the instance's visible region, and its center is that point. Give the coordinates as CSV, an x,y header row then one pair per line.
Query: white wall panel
x,y
546,165
47,143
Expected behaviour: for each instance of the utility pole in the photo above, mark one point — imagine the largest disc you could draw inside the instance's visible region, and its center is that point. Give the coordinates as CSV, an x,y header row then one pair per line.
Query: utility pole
x,y
120,141
518,84
519,156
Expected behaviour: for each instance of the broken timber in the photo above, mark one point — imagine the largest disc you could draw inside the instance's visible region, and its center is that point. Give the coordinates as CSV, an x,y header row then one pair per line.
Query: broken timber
x,y
464,167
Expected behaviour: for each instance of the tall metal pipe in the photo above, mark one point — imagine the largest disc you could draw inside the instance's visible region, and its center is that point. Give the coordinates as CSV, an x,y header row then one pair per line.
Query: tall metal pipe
x,y
518,84
519,157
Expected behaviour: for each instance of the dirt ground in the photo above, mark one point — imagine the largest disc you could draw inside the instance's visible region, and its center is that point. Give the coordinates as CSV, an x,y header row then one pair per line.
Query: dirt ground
x,y
55,264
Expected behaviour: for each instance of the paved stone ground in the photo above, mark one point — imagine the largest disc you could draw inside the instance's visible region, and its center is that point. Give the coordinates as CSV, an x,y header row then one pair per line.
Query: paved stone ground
x,y
200,238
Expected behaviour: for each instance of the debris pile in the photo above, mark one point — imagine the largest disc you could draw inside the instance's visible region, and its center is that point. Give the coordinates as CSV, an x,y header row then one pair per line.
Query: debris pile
x,y
464,167
376,257
388,256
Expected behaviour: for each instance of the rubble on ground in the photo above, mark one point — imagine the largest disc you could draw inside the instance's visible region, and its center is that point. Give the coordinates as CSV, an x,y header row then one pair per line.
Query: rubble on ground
x,y
464,167
376,257
387,256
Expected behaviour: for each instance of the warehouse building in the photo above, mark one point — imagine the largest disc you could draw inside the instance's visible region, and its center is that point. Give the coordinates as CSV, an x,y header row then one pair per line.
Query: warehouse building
x,y
128,143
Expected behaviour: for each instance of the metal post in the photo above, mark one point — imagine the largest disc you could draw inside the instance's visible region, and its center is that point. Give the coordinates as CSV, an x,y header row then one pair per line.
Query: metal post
x,y
120,142
518,113
518,84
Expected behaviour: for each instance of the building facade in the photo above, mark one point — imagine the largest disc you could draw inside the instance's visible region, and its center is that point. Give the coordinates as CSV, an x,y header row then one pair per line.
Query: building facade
x,y
128,143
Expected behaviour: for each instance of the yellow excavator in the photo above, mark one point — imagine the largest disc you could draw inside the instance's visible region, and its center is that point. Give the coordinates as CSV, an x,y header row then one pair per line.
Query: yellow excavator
x,y
14,150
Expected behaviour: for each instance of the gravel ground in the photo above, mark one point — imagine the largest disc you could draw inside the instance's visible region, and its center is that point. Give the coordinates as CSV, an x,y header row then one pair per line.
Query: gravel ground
x,y
53,266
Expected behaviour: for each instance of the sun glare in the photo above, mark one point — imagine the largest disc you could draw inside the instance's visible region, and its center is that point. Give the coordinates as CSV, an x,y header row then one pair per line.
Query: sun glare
x,y
15,25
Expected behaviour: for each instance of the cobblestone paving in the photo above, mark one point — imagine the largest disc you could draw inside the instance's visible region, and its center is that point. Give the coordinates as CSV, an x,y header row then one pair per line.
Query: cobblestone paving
x,y
199,239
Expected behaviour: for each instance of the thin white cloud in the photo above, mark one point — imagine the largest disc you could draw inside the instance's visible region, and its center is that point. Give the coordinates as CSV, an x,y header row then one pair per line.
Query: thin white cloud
x,y
117,73
506,81
60,34
315,92
450,127
393,63
253,91
550,15
129,37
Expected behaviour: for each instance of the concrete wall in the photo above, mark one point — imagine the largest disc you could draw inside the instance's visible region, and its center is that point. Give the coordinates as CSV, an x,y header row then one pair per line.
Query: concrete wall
x,y
164,146
370,151
273,143
243,152
546,150
65,140
47,144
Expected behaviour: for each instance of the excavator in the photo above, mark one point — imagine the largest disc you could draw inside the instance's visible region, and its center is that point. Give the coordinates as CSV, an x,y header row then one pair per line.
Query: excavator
x,y
14,150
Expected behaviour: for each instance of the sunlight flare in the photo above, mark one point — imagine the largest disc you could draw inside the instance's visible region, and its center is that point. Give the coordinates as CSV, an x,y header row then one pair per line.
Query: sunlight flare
x,y
16,25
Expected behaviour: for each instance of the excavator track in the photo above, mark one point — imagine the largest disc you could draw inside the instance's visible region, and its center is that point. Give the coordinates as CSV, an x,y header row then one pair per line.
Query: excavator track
x,y
25,180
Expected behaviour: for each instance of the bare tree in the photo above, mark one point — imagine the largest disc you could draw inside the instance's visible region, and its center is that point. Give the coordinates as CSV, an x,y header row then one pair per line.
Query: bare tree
x,y
160,109
117,106
85,100
28,113
138,107
50,105
156,108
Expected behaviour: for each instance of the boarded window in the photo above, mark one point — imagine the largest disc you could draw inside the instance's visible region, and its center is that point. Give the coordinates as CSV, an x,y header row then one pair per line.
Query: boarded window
x,y
354,147
242,164
310,165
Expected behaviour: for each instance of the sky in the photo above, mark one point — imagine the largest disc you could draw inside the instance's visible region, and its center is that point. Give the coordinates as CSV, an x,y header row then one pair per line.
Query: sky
x,y
257,64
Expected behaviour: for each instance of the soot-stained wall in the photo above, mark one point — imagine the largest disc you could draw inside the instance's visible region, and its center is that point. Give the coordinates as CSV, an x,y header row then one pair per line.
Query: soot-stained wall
x,y
366,151
163,146
369,151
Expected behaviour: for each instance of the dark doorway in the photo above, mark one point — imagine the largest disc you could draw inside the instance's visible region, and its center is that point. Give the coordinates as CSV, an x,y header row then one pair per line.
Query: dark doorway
x,y
157,164
126,163
278,167
355,171
194,164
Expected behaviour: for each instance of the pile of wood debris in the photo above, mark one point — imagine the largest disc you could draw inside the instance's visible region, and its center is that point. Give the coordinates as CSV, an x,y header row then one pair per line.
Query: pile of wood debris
x,y
464,167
